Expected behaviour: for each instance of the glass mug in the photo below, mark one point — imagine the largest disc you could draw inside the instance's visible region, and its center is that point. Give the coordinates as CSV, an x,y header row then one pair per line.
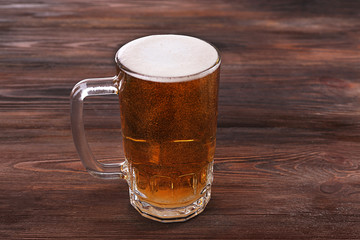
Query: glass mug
x,y
168,90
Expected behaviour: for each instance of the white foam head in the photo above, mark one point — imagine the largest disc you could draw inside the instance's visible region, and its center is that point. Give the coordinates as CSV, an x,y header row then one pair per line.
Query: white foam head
x,y
168,58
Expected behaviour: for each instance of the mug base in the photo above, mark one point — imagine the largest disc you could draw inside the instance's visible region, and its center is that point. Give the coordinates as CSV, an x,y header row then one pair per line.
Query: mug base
x,y
170,215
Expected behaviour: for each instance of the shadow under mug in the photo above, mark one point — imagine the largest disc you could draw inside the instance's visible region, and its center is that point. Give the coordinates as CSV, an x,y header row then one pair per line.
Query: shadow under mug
x,y
169,135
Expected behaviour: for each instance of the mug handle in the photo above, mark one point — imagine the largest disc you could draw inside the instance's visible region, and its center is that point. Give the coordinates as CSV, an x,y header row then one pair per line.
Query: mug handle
x,y
93,87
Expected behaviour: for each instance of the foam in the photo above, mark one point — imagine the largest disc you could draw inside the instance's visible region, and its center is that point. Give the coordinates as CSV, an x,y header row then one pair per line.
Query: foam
x,y
168,58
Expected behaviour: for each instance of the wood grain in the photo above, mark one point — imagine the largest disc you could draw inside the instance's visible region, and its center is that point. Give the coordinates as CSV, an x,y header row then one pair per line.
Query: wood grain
x,y
288,145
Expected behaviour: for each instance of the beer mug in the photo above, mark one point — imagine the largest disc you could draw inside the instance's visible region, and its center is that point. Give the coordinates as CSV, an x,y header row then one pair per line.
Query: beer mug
x,y
168,89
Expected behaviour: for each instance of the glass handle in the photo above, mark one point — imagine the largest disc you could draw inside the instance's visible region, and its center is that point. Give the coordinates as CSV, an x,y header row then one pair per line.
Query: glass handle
x,y
83,89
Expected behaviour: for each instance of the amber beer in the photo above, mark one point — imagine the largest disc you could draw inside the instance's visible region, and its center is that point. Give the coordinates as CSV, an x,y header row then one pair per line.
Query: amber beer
x,y
168,89
169,137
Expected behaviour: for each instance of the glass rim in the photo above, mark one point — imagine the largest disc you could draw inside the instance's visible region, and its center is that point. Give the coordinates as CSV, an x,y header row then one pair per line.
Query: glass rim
x,y
184,78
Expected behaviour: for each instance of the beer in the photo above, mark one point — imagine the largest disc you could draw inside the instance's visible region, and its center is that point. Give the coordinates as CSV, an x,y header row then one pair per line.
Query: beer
x,y
168,88
168,123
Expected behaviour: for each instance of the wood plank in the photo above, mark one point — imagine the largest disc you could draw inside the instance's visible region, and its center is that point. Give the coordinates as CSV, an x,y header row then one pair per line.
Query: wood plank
x,y
287,157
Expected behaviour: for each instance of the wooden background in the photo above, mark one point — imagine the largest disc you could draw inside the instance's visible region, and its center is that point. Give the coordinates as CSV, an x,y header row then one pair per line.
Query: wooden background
x,y
288,151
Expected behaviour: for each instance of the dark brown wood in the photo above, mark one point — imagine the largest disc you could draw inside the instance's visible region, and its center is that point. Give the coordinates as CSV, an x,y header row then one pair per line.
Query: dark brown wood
x,y
288,149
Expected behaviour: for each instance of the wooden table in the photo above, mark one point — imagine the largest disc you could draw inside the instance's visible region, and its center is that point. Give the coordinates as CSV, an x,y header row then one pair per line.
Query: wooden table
x,y
288,149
